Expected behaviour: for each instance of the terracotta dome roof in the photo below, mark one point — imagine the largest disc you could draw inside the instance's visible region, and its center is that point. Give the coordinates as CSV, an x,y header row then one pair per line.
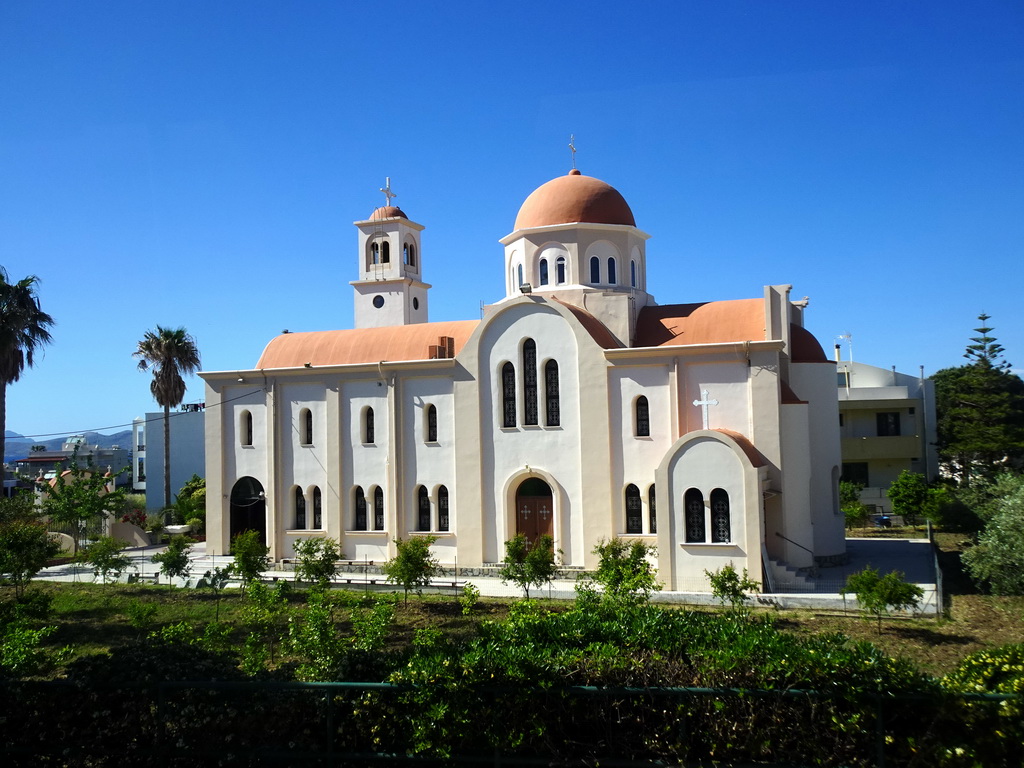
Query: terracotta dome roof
x,y
387,212
571,199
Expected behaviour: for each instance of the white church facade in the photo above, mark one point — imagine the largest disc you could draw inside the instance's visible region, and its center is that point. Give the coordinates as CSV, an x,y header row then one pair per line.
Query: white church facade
x,y
577,406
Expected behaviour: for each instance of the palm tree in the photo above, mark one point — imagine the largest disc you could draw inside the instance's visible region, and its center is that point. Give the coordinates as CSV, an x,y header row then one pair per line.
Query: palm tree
x,y
24,330
169,352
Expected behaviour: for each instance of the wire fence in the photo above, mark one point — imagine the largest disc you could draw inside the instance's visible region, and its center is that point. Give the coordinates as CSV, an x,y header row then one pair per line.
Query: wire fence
x,y
355,724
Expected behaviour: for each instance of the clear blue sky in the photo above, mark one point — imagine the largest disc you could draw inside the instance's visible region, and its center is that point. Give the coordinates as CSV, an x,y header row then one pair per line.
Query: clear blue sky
x,y
201,164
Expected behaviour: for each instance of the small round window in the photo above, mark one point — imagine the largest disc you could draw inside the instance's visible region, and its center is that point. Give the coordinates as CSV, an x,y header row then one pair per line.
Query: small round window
x,y
378,301
415,303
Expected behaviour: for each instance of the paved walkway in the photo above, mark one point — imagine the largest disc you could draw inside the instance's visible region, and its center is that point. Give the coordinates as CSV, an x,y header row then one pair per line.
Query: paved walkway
x,y
914,557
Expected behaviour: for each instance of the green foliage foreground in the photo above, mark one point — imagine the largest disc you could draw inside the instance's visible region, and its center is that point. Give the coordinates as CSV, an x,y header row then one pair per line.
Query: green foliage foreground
x,y
599,680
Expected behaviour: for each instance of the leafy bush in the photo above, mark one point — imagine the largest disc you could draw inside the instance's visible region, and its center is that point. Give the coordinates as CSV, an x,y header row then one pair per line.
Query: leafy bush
x,y
469,598
853,509
175,562
624,570
877,594
909,496
528,565
107,558
729,587
998,559
251,557
413,566
317,560
25,547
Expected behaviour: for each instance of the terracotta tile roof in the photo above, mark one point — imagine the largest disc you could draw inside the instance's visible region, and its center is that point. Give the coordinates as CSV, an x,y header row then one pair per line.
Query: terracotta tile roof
x,y
362,345
748,447
710,323
805,348
597,330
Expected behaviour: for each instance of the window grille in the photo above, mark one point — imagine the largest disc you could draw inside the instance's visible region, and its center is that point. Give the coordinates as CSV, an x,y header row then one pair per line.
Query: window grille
x,y
431,424
360,522
651,510
378,509
694,504
300,509
552,415
423,505
529,382
643,417
368,426
634,518
318,516
442,509
508,395
720,526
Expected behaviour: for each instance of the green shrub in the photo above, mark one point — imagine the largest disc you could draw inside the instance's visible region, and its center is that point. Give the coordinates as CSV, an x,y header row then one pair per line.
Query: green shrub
x,y
729,587
250,557
877,594
413,566
469,598
107,558
624,570
317,560
529,565
175,562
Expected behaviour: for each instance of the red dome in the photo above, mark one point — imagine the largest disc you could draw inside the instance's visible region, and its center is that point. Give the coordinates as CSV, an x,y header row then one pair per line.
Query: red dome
x,y
571,199
387,212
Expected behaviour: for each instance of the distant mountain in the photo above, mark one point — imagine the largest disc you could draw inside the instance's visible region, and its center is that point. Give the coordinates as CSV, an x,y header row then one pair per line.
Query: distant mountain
x,y
18,447
8,434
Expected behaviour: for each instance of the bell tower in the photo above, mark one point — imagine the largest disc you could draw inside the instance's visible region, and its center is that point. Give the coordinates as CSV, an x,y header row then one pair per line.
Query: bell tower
x,y
389,290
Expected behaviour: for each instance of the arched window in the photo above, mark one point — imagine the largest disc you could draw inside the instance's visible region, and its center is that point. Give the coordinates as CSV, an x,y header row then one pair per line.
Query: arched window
x,y
360,523
560,270
431,424
643,418
300,508
651,512
443,522
543,271
508,395
378,509
519,276
385,253
693,503
375,253
551,411
721,528
595,269
611,271
423,509
634,516
529,382
409,254
245,428
318,509
306,426
632,273
368,431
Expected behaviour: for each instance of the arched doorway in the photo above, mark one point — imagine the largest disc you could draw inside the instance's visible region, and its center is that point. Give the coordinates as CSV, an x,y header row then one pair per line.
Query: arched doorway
x,y
534,509
249,508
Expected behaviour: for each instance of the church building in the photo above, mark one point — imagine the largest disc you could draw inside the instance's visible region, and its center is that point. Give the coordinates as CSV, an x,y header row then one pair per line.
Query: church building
x,y
577,407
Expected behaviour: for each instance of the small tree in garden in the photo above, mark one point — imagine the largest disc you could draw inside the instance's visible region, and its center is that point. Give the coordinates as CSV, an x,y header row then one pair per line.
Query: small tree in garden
x,y
106,556
729,587
623,571
25,546
215,581
853,509
529,565
413,566
877,594
909,496
317,560
251,557
79,496
174,561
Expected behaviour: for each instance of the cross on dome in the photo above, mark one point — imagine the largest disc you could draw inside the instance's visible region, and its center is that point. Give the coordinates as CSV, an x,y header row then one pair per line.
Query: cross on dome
x,y
572,149
386,189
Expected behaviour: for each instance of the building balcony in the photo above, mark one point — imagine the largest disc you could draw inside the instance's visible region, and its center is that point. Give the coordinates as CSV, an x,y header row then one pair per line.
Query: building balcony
x,y
872,448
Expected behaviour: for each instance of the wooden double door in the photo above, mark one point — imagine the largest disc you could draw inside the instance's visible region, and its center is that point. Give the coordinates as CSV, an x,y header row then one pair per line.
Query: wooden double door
x,y
535,509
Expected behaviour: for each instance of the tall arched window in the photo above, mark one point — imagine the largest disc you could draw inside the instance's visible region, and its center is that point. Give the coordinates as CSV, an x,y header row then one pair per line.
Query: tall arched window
x,y
543,271
611,271
552,416
375,253
508,395
693,503
318,509
423,509
385,253
409,254
529,382
651,512
643,417
595,269
306,425
245,428
560,270
378,509
300,508
443,522
360,522
431,423
634,514
721,528
519,276
632,273
368,430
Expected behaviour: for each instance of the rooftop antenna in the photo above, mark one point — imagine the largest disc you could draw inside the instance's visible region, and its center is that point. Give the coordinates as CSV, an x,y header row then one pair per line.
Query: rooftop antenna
x,y
572,149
